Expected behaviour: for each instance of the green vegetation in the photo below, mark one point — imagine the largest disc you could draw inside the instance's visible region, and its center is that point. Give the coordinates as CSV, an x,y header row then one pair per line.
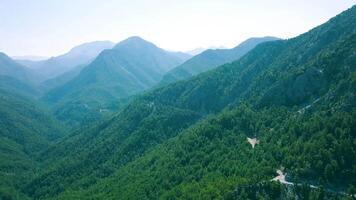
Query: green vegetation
x,y
211,159
10,68
25,130
211,59
10,84
188,139
16,78
60,80
133,65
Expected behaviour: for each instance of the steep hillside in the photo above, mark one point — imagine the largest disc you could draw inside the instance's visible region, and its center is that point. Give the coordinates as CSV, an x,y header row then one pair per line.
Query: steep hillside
x,y
9,67
14,85
60,80
133,65
213,160
188,140
17,78
79,55
210,59
25,130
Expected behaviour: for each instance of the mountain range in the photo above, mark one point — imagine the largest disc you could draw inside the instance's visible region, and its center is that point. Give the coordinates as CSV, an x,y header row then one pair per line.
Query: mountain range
x,y
131,66
119,128
188,140
200,50
79,55
17,78
9,67
210,59
29,58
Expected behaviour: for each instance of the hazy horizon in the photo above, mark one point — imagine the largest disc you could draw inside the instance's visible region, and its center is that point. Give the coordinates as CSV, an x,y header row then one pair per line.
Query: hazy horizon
x,y
52,28
135,118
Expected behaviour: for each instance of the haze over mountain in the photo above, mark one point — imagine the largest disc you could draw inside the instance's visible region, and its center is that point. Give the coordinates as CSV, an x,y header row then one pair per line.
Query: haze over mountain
x,y
61,79
268,119
10,84
210,59
196,51
9,67
133,65
188,140
79,55
199,50
17,78
30,58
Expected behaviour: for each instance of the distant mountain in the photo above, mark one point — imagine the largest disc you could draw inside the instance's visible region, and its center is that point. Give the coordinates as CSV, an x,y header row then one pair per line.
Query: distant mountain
x,y
199,50
9,67
61,79
30,58
79,55
189,140
133,65
196,51
17,78
210,59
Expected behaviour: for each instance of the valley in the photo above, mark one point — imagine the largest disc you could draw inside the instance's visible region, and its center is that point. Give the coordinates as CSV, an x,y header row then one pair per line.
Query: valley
x,y
270,118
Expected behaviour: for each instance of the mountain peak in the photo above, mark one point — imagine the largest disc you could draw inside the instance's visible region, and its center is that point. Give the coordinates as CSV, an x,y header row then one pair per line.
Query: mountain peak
x,y
3,55
135,42
91,48
136,38
7,60
250,43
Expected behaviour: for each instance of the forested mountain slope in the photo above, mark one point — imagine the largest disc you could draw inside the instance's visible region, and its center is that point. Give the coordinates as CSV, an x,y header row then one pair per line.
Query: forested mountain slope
x,y
132,66
9,67
60,80
17,78
213,160
210,59
188,140
11,84
25,130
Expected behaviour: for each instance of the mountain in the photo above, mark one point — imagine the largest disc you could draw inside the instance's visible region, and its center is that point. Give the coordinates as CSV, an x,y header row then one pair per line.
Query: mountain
x,y
29,58
9,67
79,55
196,51
60,80
210,59
10,84
17,78
200,50
188,140
132,66
25,129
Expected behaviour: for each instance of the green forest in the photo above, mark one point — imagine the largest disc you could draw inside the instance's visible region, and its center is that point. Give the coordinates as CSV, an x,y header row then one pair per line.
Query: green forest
x,y
118,130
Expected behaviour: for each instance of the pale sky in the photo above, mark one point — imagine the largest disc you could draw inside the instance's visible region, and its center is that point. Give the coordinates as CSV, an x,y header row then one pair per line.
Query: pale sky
x,y
52,27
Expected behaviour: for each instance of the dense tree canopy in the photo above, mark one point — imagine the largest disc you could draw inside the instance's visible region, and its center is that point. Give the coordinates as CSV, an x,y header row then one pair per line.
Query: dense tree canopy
x,y
189,140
